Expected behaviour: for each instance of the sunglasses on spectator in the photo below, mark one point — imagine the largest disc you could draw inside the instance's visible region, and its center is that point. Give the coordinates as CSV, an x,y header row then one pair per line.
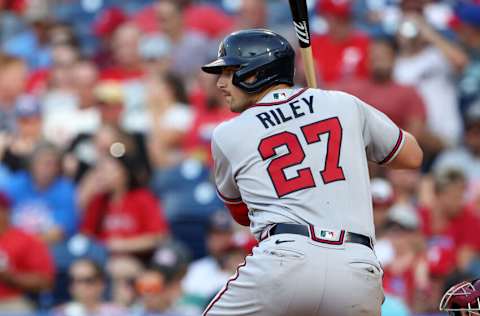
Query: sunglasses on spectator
x,y
85,280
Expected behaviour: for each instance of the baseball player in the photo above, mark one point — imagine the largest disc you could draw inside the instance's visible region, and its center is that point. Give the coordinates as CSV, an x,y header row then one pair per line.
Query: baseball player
x,y
293,166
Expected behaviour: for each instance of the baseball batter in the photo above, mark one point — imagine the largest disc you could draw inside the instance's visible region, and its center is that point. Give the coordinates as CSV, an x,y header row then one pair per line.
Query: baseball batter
x,y
293,166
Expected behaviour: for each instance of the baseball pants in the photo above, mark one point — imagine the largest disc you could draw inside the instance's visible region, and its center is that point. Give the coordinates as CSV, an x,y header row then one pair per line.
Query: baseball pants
x,y
293,275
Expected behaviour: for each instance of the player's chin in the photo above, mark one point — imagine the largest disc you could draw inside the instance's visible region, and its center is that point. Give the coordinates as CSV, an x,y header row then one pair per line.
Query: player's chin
x,y
231,104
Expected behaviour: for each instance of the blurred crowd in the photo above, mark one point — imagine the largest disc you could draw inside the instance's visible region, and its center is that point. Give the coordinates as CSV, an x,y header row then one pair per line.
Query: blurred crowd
x,y
107,205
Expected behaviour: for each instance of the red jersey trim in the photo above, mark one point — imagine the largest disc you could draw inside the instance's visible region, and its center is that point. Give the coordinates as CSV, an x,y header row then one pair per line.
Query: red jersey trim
x,y
395,149
282,101
227,199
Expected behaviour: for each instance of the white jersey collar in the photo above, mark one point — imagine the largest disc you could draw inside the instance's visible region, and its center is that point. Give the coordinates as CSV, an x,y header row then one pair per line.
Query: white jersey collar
x,y
279,96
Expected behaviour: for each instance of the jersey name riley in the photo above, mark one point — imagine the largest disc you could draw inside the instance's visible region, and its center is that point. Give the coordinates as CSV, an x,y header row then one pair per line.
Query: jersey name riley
x,y
295,109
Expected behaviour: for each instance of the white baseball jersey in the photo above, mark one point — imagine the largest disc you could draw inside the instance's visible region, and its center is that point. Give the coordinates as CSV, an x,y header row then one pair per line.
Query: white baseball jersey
x,y
300,156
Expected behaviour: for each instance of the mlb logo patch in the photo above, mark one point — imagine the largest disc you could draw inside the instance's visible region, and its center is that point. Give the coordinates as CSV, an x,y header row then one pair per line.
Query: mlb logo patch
x,y
328,235
279,96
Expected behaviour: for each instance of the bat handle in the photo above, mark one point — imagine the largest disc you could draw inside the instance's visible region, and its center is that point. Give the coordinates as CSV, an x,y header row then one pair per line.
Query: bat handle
x,y
307,58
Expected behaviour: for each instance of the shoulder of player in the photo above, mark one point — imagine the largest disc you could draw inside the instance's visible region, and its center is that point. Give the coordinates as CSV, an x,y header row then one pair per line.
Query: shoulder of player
x,y
223,128
226,132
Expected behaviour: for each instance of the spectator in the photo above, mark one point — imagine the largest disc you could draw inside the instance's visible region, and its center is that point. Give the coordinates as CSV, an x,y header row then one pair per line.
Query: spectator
x,y
184,41
43,201
252,14
206,276
110,101
13,74
467,156
10,22
210,110
382,200
172,119
88,150
125,215
61,78
450,225
467,26
214,22
155,51
62,33
65,254
33,45
20,145
123,271
342,51
26,266
405,267
104,25
62,123
401,103
159,286
189,198
406,185
127,64
55,81
87,284
108,21
58,91
424,64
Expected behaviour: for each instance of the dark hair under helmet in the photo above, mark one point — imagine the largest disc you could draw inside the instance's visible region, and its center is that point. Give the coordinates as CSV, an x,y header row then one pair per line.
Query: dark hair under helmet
x,y
258,52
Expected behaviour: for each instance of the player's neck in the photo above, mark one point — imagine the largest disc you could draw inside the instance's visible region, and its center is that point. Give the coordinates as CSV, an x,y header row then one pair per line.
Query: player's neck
x,y
262,94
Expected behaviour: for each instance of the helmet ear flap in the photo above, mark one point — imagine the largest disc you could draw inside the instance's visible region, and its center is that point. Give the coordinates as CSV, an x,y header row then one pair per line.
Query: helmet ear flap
x,y
267,74
261,71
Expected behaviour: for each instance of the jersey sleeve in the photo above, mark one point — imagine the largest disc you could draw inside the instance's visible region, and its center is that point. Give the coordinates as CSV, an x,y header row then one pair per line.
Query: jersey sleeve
x,y
383,138
227,188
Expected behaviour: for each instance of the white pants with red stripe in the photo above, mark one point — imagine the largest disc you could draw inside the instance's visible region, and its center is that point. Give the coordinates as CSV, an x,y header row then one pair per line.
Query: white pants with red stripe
x,y
292,275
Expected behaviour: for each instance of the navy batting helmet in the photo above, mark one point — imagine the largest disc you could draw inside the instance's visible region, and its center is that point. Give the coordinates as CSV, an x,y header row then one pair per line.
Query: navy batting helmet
x,y
258,52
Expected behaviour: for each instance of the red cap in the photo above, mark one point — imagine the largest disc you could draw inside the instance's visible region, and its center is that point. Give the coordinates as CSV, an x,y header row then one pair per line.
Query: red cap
x,y
4,201
109,21
338,8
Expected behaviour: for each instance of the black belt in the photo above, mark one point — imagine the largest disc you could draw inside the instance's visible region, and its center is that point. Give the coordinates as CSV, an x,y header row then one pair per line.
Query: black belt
x,y
308,231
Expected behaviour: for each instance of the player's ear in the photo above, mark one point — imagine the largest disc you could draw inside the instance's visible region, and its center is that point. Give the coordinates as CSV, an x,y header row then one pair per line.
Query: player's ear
x,y
251,79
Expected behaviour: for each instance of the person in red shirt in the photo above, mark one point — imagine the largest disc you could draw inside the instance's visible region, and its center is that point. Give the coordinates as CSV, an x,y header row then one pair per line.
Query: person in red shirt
x,y
401,103
342,51
127,62
210,110
25,264
125,215
214,22
450,225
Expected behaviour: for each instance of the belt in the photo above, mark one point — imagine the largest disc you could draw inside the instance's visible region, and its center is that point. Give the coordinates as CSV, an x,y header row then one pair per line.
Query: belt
x,y
326,236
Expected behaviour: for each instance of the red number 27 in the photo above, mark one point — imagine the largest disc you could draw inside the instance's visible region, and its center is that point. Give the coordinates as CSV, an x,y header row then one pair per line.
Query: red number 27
x,y
304,179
